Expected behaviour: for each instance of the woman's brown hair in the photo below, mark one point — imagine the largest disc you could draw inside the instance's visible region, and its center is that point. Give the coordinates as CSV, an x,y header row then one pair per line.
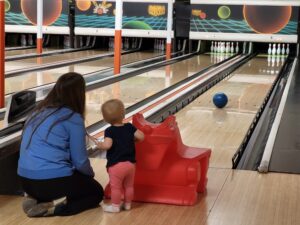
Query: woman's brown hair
x,y
69,92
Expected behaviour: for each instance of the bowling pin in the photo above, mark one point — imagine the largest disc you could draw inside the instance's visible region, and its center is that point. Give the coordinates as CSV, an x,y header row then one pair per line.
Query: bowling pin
x,y
288,49
232,48
222,47
227,47
278,49
270,49
274,49
212,47
30,40
237,48
283,49
23,40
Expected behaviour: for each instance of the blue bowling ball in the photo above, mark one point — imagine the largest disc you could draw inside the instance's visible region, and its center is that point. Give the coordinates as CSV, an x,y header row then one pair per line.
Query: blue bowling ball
x,y
220,100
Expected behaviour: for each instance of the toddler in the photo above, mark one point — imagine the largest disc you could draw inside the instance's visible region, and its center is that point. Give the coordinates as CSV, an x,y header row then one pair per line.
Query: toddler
x,y
119,141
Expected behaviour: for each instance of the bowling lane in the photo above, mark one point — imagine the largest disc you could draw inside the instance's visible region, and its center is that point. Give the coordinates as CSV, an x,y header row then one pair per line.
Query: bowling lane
x,y
223,130
31,62
26,51
137,88
30,80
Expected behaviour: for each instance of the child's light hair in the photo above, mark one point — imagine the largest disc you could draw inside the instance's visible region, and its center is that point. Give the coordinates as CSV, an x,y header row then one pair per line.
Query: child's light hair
x,y
113,111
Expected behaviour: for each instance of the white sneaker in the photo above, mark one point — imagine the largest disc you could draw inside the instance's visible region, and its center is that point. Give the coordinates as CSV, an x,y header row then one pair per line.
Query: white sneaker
x,y
126,206
110,208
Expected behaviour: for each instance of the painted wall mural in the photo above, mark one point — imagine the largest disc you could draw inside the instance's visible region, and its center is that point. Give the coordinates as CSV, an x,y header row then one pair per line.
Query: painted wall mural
x,y
136,15
245,19
23,12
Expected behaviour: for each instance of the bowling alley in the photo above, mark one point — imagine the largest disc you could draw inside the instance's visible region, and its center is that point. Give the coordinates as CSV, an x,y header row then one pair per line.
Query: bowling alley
x,y
149,112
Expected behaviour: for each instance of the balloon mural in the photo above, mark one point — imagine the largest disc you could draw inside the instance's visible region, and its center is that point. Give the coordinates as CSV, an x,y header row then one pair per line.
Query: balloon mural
x,y
258,19
261,20
52,11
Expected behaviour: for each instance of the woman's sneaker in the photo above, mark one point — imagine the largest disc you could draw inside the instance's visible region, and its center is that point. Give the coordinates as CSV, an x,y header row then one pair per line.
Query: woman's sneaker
x,y
28,203
46,208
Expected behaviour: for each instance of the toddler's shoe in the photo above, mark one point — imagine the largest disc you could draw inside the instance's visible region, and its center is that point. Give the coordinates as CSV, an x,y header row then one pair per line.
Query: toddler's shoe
x,y
110,208
126,206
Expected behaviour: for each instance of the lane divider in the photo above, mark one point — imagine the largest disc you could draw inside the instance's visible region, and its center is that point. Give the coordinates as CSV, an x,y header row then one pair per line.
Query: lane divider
x,y
264,164
166,98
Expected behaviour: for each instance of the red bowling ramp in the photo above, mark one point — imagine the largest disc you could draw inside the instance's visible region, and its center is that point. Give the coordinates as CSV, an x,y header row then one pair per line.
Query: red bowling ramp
x,y
167,171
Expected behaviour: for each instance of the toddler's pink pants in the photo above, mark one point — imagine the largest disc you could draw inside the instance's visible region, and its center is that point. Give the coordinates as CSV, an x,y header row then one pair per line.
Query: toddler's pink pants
x,y
121,178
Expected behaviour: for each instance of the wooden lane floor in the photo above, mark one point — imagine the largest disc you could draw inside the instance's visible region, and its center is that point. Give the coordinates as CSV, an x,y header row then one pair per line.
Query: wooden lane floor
x,y
26,51
137,88
250,198
232,198
31,62
146,214
223,130
34,79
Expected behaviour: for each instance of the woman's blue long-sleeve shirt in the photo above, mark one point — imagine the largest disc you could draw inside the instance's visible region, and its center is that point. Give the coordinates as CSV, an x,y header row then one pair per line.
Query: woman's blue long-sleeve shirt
x,y
56,153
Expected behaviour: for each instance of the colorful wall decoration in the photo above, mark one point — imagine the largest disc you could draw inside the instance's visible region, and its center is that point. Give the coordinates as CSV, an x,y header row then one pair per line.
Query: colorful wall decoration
x,y
23,12
136,15
255,19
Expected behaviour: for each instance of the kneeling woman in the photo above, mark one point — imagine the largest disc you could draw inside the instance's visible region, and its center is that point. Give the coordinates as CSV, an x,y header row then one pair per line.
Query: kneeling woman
x,y
54,167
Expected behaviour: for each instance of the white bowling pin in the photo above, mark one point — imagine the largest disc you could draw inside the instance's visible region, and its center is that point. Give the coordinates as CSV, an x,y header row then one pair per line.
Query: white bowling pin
x,y
270,49
227,47
237,49
288,49
232,48
23,40
278,49
212,47
274,49
283,49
